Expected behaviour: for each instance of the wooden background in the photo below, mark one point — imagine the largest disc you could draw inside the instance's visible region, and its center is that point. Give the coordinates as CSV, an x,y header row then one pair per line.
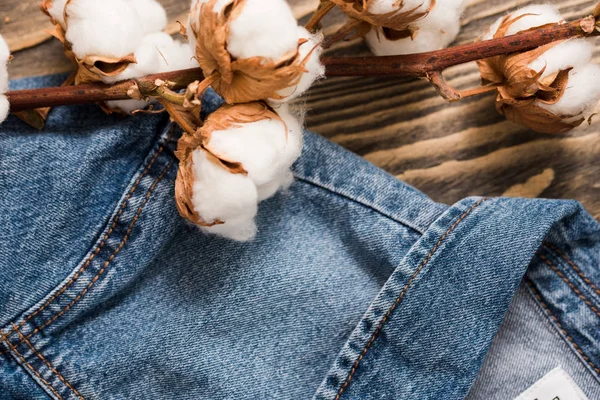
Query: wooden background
x,y
449,151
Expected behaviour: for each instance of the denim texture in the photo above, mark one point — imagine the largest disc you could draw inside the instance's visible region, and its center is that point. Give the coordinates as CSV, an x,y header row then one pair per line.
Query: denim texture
x,y
356,287
525,349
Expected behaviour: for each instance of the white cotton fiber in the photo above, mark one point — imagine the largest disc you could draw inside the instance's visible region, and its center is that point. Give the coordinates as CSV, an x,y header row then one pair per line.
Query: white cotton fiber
x,y
582,92
110,28
434,31
290,154
538,15
4,108
221,195
295,139
4,56
314,68
573,53
152,14
265,28
257,145
158,53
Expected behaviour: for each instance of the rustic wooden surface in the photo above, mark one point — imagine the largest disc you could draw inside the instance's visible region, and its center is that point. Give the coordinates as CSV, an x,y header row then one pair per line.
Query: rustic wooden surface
x,y
449,151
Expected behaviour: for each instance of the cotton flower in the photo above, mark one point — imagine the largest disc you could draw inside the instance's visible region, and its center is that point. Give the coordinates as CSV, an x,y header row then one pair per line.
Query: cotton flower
x,y
437,27
4,57
239,157
549,89
115,40
253,49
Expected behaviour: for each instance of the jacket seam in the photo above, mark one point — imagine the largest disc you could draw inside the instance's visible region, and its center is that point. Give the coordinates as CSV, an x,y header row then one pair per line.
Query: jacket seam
x,y
89,260
375,334
571,285
48,364
556,322
418,230
107,262
574,266
28,365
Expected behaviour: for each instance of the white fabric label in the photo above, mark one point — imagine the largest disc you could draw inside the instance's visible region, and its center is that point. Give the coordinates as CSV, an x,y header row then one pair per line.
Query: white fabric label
x,y
556,385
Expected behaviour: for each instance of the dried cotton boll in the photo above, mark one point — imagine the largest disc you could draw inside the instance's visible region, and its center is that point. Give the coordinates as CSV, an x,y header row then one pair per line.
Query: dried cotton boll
x,y
239,157
4,57
152,14
548,89
250,48
434,31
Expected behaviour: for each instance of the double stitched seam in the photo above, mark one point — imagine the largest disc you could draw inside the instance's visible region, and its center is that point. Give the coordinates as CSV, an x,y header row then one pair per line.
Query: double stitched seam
x,y
401,296
570,284
14,349
102,243
556,321
110,259
574,266
45,361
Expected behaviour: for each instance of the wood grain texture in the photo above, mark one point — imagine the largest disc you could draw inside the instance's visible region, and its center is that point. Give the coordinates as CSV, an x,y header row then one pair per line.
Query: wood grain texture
x,y
449,151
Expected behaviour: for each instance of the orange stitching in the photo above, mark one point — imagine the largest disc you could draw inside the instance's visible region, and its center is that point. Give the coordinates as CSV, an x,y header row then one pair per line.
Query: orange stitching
x,y
41,357
574,266
102,243
401,296
112,257
13,348
571,285
538,296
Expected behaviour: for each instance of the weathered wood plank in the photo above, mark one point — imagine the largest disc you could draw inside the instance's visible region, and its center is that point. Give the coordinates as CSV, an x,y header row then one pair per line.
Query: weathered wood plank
x,y
447,150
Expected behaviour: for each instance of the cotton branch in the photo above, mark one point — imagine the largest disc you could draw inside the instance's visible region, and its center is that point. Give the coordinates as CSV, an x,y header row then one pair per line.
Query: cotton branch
x,y
423,65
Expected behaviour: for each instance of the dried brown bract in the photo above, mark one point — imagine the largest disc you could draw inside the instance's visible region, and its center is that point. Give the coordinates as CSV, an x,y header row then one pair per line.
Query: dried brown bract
x,y
240,80
396,23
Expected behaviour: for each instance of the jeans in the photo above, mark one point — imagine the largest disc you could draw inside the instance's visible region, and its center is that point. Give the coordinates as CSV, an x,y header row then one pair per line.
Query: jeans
x,y
357,286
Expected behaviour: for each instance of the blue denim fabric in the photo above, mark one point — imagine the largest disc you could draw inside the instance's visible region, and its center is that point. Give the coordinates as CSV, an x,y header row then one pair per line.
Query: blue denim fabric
x,y
356,287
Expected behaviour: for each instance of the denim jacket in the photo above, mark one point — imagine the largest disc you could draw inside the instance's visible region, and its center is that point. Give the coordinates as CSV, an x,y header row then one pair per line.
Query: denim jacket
x,y
356,287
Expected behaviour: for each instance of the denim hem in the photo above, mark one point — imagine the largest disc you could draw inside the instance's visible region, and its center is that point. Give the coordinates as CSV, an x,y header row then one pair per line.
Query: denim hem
x,y
569,297
559,328
406,339
26,337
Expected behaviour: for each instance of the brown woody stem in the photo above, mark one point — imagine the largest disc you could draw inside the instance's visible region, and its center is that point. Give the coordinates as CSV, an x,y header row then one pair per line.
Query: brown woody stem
x,y
324,7
424,65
